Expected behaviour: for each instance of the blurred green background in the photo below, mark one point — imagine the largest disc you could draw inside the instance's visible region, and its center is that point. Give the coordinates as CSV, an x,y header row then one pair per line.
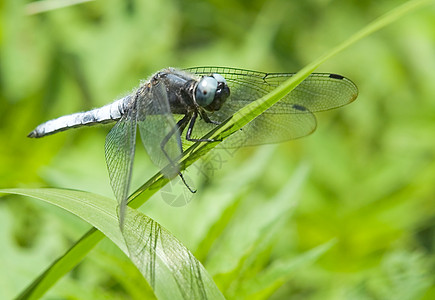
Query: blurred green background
x,y
363,185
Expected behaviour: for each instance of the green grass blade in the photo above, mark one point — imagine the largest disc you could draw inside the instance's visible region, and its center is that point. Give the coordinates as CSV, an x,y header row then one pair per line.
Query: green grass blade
x,y
62,265
44,6
71,201
169,267
66,262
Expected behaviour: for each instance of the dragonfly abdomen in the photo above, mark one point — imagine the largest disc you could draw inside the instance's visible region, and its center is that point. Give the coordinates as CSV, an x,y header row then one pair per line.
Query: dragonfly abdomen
x,y
106,114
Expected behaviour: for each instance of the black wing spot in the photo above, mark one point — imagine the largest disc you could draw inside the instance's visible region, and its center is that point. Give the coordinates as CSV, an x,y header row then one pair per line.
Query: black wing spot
x,y
299,107
335,76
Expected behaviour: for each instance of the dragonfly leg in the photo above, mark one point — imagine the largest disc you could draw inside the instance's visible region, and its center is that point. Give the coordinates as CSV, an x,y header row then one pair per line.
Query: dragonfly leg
x,y
185,183
181,125
207,119
190,129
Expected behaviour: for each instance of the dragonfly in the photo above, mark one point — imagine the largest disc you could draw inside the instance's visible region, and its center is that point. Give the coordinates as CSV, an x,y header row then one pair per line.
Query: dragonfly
x,y
175,107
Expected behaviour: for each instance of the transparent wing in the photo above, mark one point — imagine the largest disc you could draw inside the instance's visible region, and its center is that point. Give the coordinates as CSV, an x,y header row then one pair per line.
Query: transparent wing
x,y
289,118
119,150
158,129
268,130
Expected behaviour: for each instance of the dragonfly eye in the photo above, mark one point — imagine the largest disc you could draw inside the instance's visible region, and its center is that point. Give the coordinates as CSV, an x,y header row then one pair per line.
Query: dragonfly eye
x,y
219,78
205,91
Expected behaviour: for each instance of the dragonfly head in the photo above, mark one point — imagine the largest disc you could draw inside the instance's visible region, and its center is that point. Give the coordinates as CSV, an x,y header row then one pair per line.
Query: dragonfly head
x,y
211,92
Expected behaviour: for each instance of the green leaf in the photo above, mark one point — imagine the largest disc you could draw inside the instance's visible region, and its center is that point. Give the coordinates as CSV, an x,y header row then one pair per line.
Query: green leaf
x,y
169,267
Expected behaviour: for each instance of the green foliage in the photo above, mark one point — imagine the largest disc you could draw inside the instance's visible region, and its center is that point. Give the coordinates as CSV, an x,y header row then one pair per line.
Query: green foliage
x,y
175,272
354,221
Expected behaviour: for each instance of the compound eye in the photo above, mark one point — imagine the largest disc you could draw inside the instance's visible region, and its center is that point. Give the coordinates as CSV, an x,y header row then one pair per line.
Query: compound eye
x,y
219,78
205,91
